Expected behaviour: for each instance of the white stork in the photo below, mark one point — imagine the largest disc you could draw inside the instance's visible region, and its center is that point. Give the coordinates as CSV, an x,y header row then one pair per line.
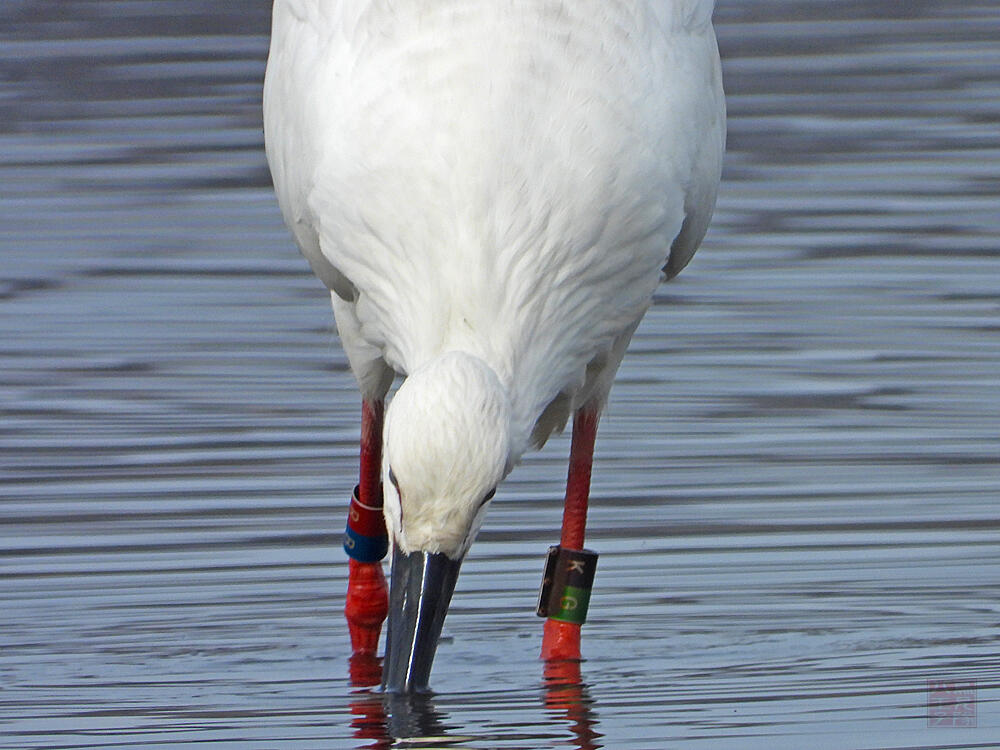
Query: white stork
x,y
492,191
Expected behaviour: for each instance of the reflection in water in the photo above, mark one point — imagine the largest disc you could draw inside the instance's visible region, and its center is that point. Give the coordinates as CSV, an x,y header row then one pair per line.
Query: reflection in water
x,y
382,720
368,720
368,709
567,695
413,717
365,670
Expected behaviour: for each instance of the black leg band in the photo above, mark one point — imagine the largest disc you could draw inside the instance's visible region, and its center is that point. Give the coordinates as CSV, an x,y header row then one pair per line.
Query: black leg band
x,y
566,584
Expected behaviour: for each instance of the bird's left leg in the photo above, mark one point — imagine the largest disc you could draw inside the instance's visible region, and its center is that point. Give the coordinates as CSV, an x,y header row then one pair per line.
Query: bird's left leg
x,y
569,573
561,639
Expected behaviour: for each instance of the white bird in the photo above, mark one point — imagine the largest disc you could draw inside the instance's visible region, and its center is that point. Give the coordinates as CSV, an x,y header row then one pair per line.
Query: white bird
x,y
492,190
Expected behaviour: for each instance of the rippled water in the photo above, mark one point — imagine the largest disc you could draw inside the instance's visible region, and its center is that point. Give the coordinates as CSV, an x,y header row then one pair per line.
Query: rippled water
x,y
796,491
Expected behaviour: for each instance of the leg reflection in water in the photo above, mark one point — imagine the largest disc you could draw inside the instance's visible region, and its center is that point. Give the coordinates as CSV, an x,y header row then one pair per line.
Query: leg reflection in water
x,y
382,719
567,696
367,710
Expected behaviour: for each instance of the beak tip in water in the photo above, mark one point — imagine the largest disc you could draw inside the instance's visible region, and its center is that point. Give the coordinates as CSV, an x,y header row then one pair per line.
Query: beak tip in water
x,y
419,595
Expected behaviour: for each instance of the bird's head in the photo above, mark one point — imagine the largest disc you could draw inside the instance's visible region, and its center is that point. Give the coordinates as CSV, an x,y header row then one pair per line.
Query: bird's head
x,y
447,446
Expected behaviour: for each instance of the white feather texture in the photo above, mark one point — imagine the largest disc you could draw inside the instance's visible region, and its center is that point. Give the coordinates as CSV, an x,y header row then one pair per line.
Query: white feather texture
x,y
447,442
503,178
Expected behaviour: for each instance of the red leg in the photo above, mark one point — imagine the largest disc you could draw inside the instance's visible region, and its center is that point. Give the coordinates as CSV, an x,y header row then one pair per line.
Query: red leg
x,y
561,640
367,594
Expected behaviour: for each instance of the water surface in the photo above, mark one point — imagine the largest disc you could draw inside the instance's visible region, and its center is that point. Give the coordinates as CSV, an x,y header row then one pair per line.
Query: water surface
x,y
795,496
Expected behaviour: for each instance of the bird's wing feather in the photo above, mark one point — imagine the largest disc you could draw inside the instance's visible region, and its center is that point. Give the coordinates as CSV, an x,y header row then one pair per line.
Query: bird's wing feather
x,y
501,178
706,166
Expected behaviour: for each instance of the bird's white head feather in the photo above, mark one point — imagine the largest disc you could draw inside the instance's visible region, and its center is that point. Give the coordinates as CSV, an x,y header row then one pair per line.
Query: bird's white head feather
x,y
447,445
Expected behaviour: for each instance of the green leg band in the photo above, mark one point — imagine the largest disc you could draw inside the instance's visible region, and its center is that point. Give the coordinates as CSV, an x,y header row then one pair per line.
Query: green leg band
x,y
566,584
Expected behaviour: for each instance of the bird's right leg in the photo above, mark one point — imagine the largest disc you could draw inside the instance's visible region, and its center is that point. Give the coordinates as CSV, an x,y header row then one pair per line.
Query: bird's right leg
x,y
366,541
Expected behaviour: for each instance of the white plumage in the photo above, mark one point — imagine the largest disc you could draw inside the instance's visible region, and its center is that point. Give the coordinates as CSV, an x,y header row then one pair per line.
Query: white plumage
x,y
494,184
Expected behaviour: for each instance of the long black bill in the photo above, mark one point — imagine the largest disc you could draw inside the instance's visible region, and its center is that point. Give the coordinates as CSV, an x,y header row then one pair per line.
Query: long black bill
x,y
419,595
